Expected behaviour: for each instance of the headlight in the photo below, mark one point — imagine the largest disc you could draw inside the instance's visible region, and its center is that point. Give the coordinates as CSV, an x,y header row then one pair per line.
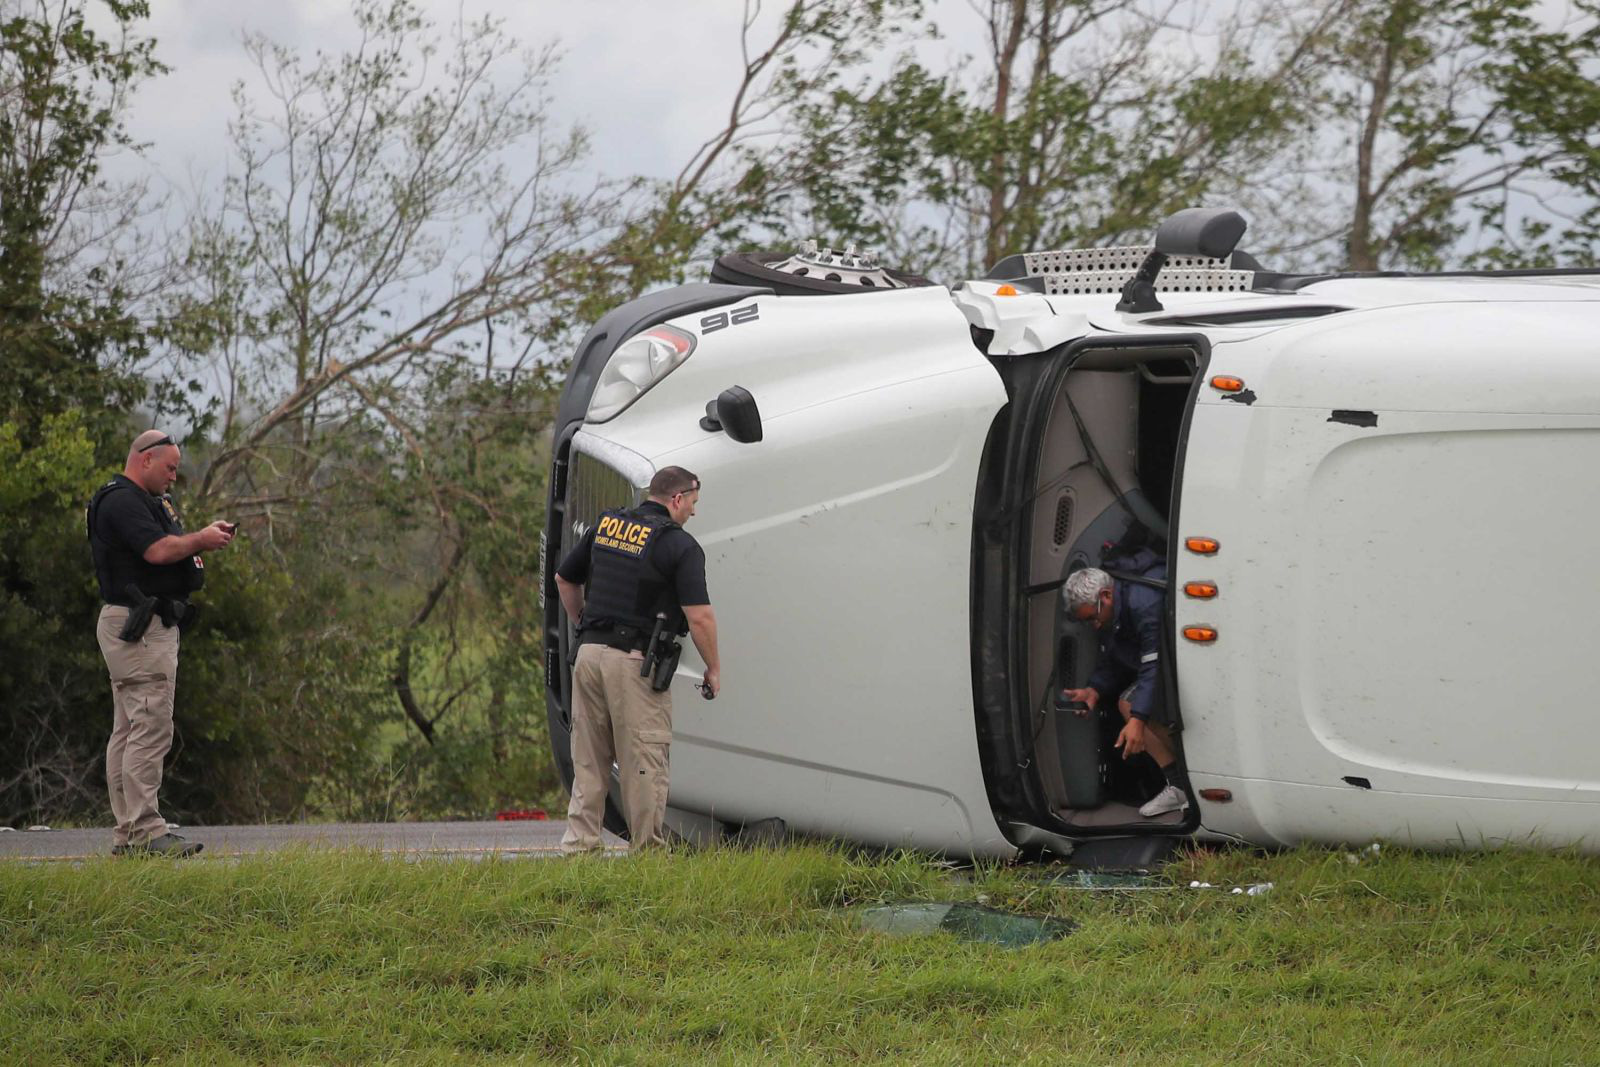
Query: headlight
x,y
637,364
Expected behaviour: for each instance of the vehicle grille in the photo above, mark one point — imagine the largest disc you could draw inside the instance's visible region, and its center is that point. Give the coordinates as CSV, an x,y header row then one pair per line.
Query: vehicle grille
x,y
592,487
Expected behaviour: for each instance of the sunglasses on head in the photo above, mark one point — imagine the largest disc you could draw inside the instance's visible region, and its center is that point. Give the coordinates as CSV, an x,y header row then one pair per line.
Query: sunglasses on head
x,y
158,444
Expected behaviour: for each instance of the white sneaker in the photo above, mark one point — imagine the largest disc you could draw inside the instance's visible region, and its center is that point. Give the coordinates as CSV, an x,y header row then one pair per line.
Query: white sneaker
x,y
1169,799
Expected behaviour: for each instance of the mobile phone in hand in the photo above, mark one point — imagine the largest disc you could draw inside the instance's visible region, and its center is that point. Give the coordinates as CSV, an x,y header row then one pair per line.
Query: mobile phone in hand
x,y
231,527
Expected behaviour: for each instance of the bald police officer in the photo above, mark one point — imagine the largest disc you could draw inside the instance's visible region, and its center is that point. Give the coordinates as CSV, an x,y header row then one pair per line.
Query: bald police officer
x,y
635,565
147,567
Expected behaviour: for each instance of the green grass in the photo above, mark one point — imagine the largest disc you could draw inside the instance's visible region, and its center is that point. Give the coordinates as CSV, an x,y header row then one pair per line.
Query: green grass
x,y
731,956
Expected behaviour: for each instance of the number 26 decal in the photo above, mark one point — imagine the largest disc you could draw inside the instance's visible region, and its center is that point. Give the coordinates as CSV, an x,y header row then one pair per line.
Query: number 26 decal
x,y
723,319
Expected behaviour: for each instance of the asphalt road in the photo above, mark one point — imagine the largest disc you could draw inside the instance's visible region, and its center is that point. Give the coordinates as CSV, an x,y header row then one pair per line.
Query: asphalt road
x,y
523,837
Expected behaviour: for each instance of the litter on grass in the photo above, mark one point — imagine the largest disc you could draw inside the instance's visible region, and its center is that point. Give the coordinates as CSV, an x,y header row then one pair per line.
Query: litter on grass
x,y
1106,882
1256,890
1103,881
970,922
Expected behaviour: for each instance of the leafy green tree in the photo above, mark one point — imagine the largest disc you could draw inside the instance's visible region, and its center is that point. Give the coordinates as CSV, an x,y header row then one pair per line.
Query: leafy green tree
x,y
1446,126
69,391
1546,80
385,206
734,186
63,319
67,338
280,708
1360,133
1061,123
390,258
51,678
468,665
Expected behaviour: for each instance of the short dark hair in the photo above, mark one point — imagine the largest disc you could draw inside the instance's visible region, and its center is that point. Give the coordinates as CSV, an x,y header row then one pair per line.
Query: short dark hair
x,y
670,481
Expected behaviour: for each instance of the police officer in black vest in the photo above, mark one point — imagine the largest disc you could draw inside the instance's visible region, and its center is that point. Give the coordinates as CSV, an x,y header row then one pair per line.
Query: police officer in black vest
x,y
147,567
632,585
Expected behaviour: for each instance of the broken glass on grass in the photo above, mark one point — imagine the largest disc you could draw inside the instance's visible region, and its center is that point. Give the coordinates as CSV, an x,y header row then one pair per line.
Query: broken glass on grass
x,y
970,922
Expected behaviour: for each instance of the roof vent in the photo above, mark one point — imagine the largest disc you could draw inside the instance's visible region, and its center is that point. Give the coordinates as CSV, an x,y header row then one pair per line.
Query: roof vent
x,y
849,267
812,271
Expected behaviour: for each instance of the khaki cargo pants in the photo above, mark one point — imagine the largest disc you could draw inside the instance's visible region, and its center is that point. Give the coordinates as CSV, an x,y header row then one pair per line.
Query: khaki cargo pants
x,y
144,676
616,715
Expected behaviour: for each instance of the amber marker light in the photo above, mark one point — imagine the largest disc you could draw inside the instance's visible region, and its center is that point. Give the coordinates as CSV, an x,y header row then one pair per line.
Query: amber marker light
x,y
1006,290
1200,590
1205,546
1216,796
1201,634
1227,384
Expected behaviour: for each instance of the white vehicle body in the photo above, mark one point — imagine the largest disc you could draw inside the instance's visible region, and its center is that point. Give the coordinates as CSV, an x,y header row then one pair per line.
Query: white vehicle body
x,y
1400,496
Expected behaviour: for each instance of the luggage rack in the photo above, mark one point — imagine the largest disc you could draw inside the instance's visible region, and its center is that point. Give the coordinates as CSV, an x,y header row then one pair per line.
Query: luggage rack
x,y
1091,271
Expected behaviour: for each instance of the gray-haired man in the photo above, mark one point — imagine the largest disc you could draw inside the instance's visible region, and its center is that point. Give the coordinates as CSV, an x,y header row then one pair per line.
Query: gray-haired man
x,y
1128,616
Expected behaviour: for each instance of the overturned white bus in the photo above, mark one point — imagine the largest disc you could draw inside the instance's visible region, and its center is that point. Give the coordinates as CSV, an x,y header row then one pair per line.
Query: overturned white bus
x,y
1372,489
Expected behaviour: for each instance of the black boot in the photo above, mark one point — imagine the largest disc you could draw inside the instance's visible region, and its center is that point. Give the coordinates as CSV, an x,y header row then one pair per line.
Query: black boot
x,y
165,845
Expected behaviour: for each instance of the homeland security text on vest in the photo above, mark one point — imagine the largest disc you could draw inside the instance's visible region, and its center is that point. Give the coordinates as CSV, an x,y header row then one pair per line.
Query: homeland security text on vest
x,y
629,537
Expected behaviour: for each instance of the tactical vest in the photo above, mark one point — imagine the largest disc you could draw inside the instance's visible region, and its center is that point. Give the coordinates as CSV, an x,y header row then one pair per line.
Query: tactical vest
x,y
116,566
624,588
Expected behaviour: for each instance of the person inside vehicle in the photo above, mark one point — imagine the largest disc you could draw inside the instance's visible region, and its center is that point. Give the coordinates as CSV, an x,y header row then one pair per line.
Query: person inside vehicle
x,y
1127,613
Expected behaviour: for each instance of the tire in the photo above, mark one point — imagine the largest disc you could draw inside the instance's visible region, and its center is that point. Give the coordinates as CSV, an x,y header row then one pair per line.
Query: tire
x,y
755,268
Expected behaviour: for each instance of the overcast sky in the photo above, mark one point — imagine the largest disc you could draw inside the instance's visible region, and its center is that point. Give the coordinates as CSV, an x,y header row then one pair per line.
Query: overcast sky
x,y
648,78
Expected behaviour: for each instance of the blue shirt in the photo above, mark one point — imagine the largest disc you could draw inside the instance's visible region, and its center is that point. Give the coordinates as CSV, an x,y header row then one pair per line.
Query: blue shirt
x,y
1130,648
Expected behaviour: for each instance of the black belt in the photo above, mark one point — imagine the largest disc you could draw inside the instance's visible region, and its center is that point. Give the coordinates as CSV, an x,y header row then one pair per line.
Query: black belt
x,y
622,638
177,603
172,611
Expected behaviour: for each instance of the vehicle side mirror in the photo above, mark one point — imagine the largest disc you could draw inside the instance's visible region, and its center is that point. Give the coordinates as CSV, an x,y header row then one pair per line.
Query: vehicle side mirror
x,y
1200,231
734,411
1194,231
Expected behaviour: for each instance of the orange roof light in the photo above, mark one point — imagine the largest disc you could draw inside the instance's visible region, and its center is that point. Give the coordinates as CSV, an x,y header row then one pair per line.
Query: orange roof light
x,y
1205,546
1006,290
1227,384
1200,590
1202,634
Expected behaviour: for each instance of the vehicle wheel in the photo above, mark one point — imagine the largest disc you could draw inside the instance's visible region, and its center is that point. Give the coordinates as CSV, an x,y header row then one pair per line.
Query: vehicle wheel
x,y
811,272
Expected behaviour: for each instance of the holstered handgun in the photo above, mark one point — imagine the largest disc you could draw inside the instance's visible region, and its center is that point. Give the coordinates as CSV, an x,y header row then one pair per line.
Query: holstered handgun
x,y
139,615
660,656
174,613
